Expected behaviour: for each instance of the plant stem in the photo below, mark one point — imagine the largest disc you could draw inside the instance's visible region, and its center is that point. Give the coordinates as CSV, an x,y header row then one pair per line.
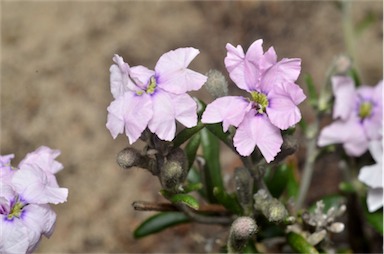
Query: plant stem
x,y
200,218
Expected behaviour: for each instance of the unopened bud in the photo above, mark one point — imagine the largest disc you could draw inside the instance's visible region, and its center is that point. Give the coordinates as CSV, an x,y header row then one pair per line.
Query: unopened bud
x,y
316,237
130,157
243,182
242,230
216,84
270,207
342,64
336,227
174,170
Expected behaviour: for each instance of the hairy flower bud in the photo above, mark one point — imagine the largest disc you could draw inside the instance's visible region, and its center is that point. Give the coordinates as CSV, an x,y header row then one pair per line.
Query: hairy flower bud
x,y
242,230
174,170
130,157
270,207
216,84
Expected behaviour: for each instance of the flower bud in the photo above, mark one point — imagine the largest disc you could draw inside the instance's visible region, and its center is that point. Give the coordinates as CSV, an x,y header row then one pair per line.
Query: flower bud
x,y
270,207
130,157
216,84
174,170
317,237
242,230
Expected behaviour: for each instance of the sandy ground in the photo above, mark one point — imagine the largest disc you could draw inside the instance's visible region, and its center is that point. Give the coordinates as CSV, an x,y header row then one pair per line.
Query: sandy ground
x,y
55,58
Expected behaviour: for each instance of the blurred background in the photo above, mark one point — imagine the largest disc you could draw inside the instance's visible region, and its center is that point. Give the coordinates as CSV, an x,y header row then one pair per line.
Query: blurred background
x,y
55,59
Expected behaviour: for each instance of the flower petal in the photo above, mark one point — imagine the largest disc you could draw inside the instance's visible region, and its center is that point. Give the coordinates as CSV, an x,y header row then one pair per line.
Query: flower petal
x,y
349,133
119,79
13,236
172,73
344,92
268,60
257,130
282,109
185,109
372,175
44,158
141,76
285,71
230,110
375,199
164,116
130,112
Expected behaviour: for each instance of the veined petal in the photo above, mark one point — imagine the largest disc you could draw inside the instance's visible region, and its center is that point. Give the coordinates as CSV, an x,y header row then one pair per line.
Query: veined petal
x,y
172,73
285,71
345,97
13,236
251,65
130,112
185,109
40,218
349,133
230,110
372,175
164,116
282,109
119,79
257,130
268,60
44,158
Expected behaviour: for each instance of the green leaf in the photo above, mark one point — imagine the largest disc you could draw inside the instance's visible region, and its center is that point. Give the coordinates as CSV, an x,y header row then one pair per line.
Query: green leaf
x,y
276,179
185,199
299,244
159,222
212,169
192,187
186,134
375,219
227,201
217,130
292,188
312,93
191,148
355,76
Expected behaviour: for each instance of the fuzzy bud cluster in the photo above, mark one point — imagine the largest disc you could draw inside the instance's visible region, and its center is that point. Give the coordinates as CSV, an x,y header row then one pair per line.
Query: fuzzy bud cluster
x,y
270,207
242,230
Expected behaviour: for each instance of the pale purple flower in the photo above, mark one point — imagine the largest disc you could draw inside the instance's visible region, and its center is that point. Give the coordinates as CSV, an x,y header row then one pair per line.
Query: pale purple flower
x,y
373,176
154,99
272,102
358,116
25,215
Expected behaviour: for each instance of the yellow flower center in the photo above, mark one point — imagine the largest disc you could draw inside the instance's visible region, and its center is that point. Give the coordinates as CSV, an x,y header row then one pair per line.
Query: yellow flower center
x,y
151,87
15,210
365,109
260,100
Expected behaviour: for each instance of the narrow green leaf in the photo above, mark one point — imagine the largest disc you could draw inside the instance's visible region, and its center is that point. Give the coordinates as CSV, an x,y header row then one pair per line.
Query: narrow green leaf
x,y
191,148
159,222
292,183
186,134
185,199
375,219
212,169
312,93
227,201
299,244
355,76
217,130
192,187
276,179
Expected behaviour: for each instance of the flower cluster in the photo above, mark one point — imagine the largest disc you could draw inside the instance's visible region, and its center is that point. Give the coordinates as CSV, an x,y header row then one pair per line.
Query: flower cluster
x,y
358,116
154,99
272,102
25,194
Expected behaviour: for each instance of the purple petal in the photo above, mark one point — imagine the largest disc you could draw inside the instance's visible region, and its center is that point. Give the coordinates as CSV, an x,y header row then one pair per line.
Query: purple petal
x,y
268,60
345,97
130,112
119,79
141,76
34,185
39,218
257,130
230,110
164,116
173,75
349,133
285,71
44,158
185,109
372,175
13,236
235,64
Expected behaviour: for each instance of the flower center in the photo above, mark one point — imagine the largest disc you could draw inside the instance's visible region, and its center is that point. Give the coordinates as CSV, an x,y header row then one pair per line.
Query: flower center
x,y
16,210
150,88
260,100
365,109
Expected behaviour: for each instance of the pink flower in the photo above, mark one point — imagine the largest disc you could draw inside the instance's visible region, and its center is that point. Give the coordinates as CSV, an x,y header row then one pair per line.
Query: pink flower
x,y
373,177
358,114
154,99
271,105
25,215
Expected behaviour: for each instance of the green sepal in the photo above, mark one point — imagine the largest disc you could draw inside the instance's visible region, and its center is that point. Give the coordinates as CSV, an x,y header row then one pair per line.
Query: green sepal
x,y
211,175
191,148
228,201
159,222
299,244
